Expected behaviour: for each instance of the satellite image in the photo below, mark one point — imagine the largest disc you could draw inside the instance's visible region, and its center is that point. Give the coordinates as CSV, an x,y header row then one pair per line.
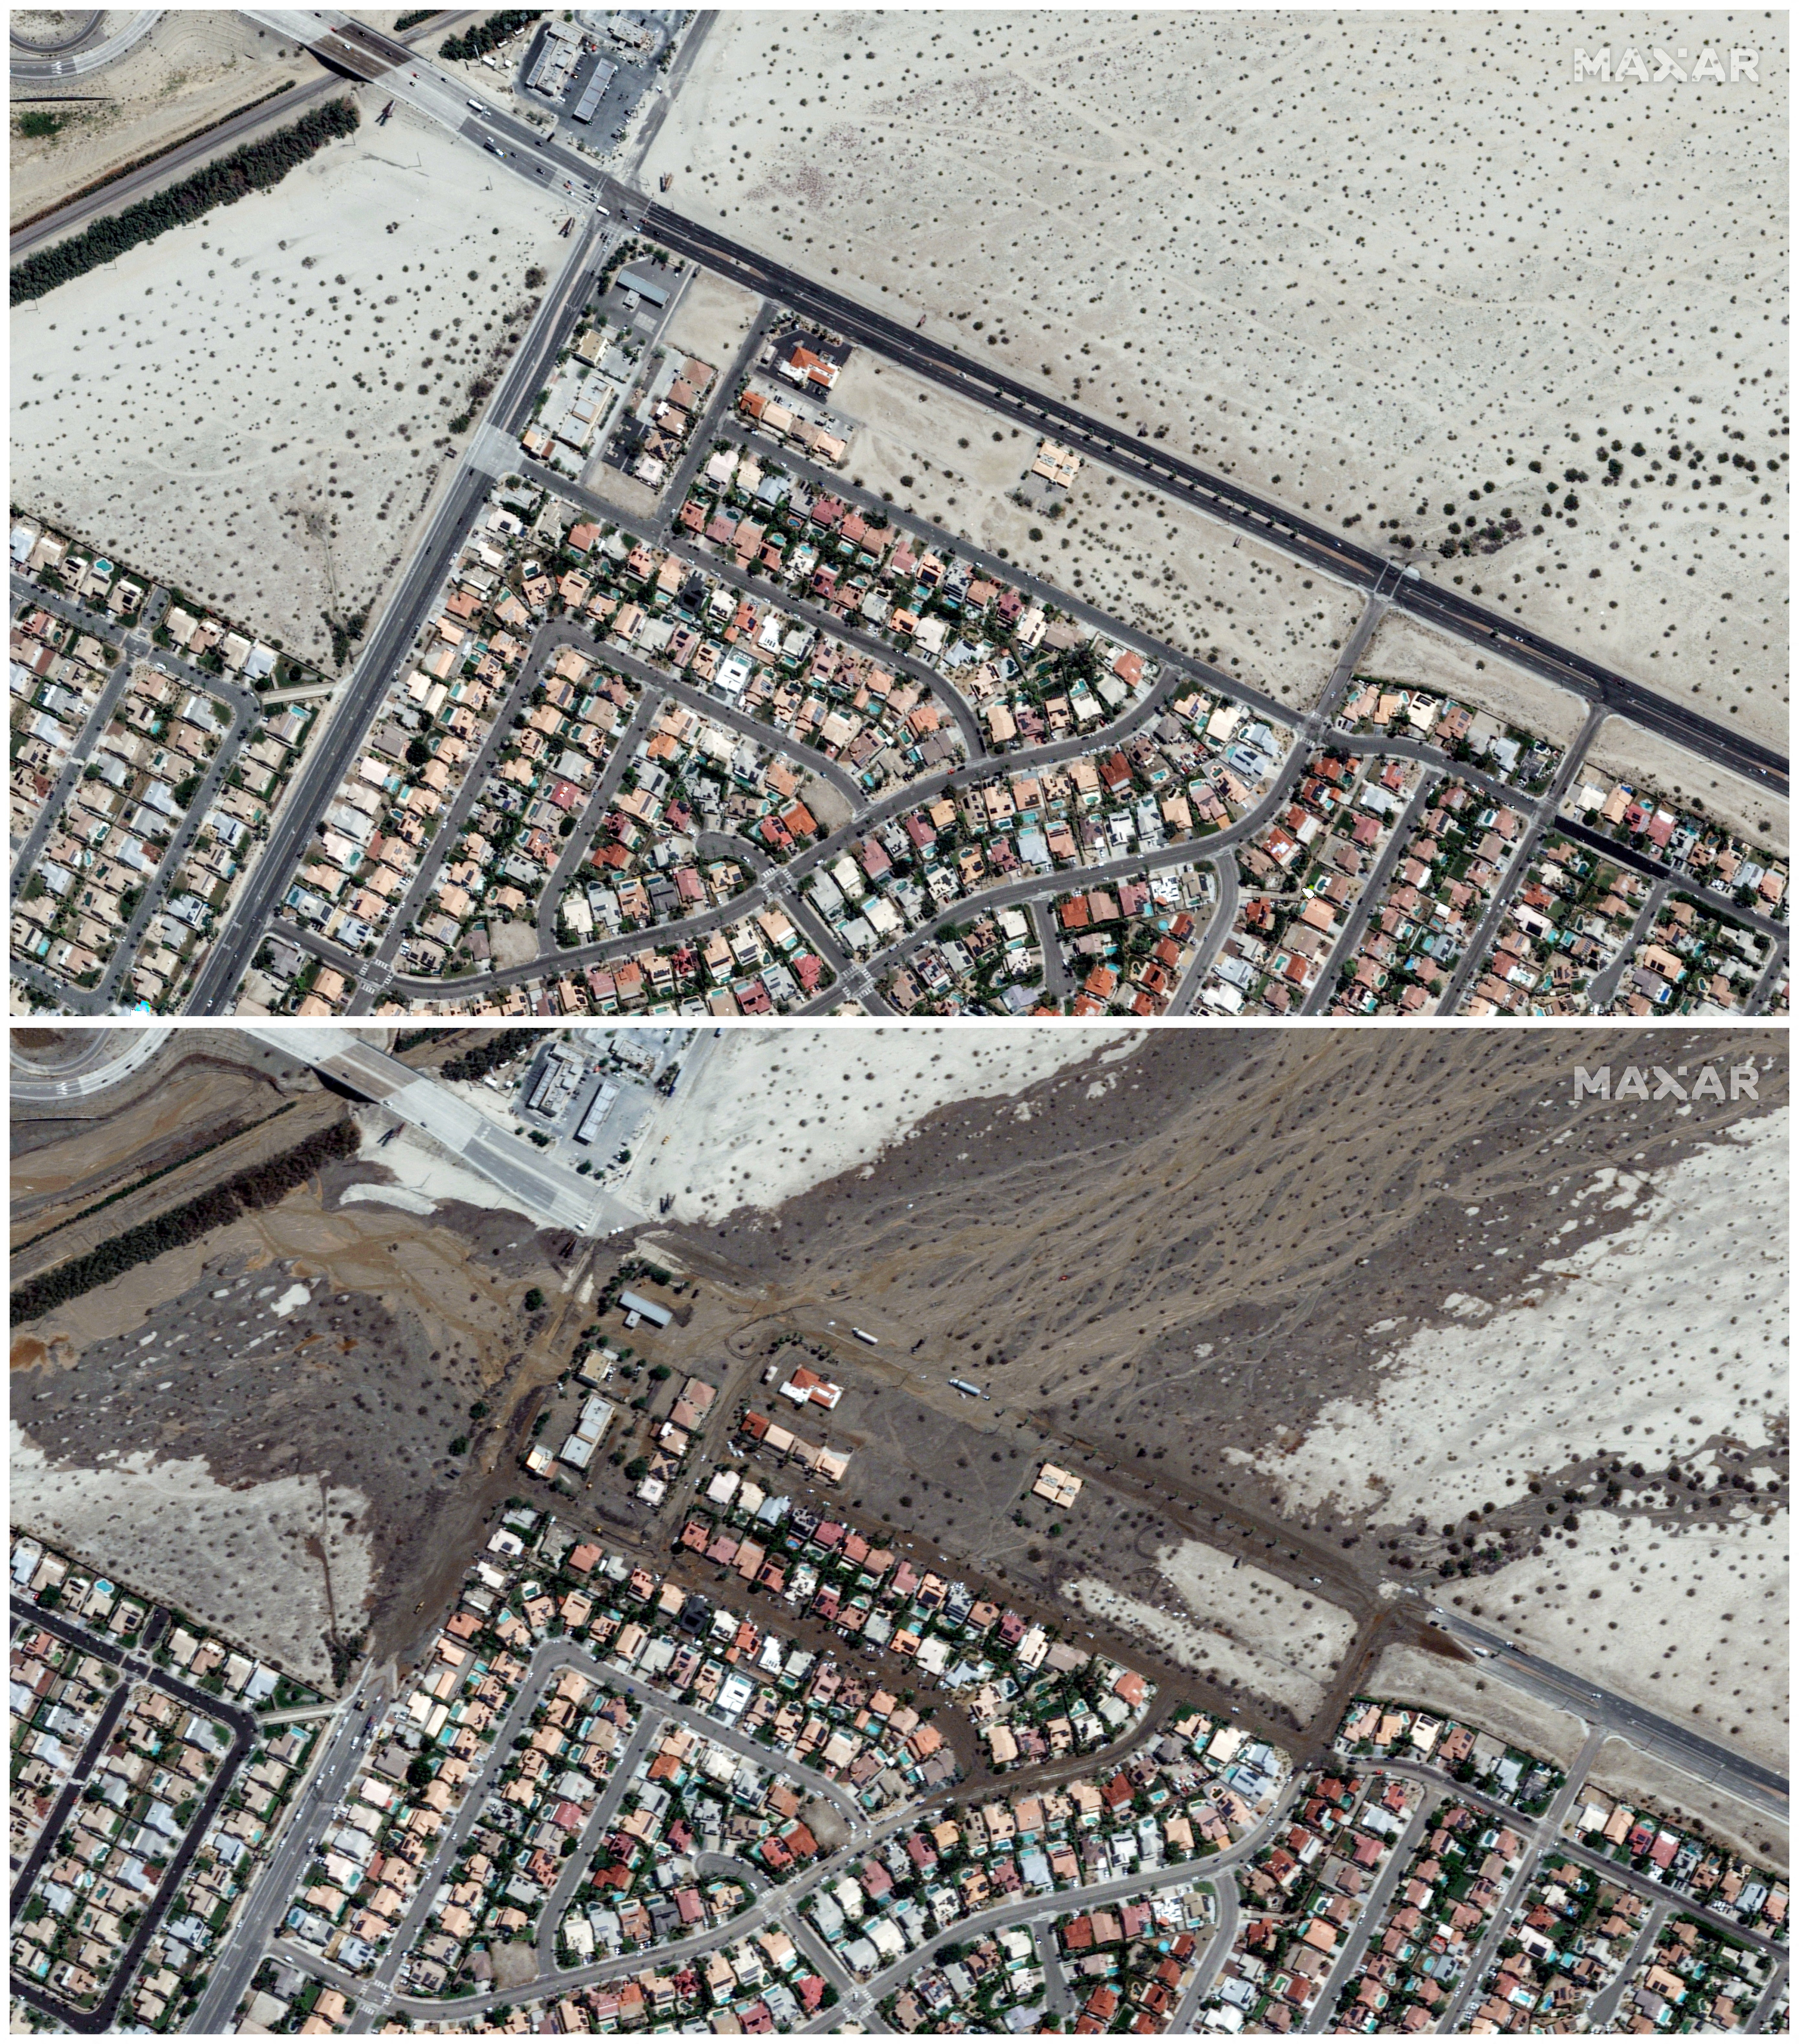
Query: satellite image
x,y
1025,513
857,1529
898,1021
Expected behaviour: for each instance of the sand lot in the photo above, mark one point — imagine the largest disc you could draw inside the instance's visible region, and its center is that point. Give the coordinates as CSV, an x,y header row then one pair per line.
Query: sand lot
x,y
711,319
1372,270
195,67
245,1560
773,1111
252,405
1640,758
1247,1625
1144,559
1412,654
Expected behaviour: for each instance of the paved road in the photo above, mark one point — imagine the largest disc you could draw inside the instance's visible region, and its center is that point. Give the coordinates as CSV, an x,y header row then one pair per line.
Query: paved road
x,y
362,695
575,1869
80,754
1604,2004
1480,944
234,1964
1765,987
242,1725
79,57
93,1746
1539,1839
1037,587
783,599
554,1195
1366,904
593,814
1057,1996
1613,1870
1603,990
114,1054
1212,1960
1658,868
1130,1888
1058,981
1762,1787
1761,2023
1121,448
1225,896
165,169
549,1658
1374,1910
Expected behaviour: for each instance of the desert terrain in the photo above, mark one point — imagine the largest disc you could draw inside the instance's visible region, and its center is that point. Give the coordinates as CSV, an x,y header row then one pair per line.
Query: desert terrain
x,y
1374,273
1315,1319
735,1138
260,1426
1142,558
254,405
1196,1280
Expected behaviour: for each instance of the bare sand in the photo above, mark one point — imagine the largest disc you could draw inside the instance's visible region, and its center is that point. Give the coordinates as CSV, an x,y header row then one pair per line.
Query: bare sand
x,y
1643,759
253,405
774,1111
247,1560
1548,1366
712,320
1413,655
1661,1339
1151,562
1373,269
1619,1769
196,66
1406,1675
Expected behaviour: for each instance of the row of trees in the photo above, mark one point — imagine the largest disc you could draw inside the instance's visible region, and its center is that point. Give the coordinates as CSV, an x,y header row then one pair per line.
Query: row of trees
x,y
254,167
488,35
500,1049
261,1185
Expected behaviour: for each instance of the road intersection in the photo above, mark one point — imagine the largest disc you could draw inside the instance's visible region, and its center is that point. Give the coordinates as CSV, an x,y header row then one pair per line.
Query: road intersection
x,y
611,209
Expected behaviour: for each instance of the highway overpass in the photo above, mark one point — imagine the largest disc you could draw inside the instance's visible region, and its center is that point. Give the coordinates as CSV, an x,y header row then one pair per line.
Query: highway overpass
x,y
554,1196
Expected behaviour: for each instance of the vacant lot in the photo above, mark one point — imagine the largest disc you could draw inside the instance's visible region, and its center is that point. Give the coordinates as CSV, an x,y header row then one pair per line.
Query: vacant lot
x,y
1374,272
255,406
